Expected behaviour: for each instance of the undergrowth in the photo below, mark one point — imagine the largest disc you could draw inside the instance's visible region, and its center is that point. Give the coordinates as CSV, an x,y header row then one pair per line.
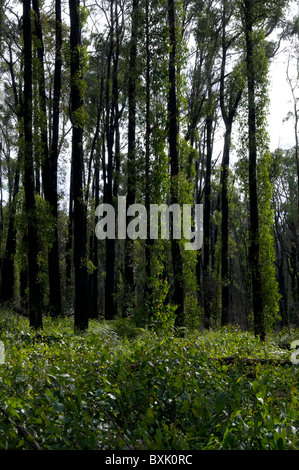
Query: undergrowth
x,y
121,387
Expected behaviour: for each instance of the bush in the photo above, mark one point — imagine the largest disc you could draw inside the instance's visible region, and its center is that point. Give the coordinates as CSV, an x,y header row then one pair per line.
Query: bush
x,y
119,387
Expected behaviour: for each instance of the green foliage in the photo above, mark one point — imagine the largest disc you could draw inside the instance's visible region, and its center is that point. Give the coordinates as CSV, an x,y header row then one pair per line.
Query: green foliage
x,y
116,387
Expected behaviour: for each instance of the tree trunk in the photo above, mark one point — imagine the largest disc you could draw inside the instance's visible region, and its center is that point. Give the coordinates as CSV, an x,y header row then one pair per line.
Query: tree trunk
x,y
53,257
110,244
35,314
224,229
79,217
131,191
7,286
177,263
95,259
228,118
259,321
50,158
148,242
206,222
8,280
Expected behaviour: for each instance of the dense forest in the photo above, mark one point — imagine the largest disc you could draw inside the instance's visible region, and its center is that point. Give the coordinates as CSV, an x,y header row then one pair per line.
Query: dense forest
x,y
108,106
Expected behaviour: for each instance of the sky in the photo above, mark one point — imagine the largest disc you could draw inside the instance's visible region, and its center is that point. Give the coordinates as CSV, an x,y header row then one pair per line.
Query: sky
x,y
281,134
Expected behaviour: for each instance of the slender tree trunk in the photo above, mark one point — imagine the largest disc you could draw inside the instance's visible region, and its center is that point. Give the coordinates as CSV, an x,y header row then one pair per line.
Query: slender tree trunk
x,y
228,118
95,156
54,268
149,242
69,243
80,225
224,228
206,221
131,191
35,314
115,105
177,263
95,259
110,244
259,321
7,289
50,157
296,128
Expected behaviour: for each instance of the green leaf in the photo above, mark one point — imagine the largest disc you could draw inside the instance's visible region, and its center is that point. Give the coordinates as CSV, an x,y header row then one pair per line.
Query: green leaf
x,y
150,415
185,407
220,402
58,406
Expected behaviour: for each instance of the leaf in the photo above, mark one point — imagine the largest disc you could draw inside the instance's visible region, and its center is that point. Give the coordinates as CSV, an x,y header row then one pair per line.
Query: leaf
x,y
150,415
255,386
58,406
220,402
185,406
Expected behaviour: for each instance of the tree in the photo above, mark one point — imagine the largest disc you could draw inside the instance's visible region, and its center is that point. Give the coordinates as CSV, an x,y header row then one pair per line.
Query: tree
x,y
49,157
259,20
131,162
34,305
230,95
79,216
173,132
53,258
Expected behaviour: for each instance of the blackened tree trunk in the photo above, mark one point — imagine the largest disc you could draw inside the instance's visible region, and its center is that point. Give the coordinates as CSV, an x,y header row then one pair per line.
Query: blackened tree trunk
x,y
110,244
35,314
8,280
95,156
259,321
131,170
148,242
94,301
80,226
49,158
207,215
224,228
69,243
53,257
177,263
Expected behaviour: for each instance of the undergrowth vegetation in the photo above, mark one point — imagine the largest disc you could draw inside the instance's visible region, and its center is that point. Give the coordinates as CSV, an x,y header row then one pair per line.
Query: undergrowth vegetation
x,y
121,387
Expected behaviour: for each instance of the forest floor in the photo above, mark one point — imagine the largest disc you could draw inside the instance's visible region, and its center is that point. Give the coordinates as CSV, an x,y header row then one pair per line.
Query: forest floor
x,y
120,387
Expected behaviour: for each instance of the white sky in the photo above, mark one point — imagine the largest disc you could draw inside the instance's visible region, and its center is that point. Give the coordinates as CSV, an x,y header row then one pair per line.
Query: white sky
x,y
281,134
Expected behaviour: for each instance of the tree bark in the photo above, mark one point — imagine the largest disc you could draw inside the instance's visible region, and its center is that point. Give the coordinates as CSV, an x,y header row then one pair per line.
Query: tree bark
x,y
49,157
131,191
53,258
8,280
110,244
259,321
79,216
206,221
35,314
148,242
177,263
